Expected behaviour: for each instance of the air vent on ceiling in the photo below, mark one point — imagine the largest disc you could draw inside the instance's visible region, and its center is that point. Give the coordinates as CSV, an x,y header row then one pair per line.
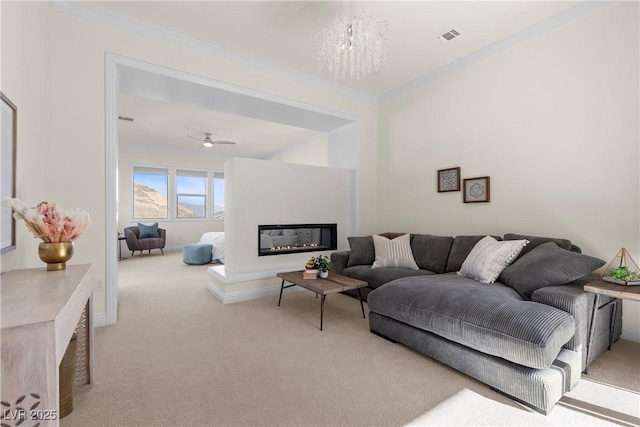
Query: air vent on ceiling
x,y
126,119
450,35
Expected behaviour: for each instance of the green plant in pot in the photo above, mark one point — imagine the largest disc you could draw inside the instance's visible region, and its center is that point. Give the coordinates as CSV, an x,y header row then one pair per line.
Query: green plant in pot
x,y
622,274
324,264
627,272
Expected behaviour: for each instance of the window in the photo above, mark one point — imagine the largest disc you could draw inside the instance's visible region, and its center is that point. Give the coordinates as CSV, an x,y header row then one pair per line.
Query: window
x,y
191,194
150,192
163,193
218,195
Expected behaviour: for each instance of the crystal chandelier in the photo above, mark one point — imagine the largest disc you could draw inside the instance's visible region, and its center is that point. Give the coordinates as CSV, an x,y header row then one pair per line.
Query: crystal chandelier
x,y
354,43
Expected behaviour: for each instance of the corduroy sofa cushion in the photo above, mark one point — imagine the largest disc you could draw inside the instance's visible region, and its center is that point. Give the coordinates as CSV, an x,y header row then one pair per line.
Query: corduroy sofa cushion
x,y
431,252
491,318
362,251
547,265
376,277
535,241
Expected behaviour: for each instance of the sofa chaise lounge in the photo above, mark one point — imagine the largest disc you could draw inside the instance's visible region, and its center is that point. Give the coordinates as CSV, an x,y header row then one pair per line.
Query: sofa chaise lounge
x,y
524,335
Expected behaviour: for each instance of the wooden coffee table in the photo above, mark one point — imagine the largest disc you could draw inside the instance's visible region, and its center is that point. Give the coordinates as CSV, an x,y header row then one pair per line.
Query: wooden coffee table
x,y
333,284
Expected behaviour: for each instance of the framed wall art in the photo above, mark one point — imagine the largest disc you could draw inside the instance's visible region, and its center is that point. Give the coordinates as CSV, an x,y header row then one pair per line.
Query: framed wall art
x,y
8,135
448,180
477,190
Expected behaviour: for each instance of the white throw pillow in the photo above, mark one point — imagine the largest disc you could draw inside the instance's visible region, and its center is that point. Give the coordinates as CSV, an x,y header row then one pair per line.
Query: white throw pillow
x,y
393,253
489,257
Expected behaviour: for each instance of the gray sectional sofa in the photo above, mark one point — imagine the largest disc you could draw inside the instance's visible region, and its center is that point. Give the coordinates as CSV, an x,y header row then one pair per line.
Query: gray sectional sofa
x,y
524,335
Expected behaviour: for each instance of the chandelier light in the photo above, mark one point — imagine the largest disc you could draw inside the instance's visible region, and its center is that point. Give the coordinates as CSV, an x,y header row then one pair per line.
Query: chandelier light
x,y
354,44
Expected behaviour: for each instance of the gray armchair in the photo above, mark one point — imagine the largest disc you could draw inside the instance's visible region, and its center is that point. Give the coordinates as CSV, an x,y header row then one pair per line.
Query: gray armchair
x,y
136,244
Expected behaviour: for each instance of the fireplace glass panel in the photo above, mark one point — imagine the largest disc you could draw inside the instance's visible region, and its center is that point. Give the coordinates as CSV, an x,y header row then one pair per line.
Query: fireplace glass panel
x,y
295,238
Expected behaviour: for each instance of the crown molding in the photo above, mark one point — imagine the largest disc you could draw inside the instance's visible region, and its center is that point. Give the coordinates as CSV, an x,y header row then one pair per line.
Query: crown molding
x,y
576,12
83,10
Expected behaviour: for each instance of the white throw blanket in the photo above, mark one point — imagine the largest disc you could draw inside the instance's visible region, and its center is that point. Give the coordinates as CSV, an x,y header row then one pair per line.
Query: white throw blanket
x,y
215,238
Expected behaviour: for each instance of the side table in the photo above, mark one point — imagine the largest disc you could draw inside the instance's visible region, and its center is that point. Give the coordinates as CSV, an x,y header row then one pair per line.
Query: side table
x,y
120,239
617,292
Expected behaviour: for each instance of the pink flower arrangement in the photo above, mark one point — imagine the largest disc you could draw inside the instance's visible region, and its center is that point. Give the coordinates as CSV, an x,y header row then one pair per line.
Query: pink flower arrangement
x,y
48,222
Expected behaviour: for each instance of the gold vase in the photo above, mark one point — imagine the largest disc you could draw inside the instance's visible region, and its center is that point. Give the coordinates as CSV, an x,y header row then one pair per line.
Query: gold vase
x,y
55,255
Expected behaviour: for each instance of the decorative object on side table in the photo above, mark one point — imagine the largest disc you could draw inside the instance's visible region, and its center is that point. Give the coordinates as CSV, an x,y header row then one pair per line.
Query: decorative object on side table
x,y
310,271
477,190
324,264
57,228
622,270
448,180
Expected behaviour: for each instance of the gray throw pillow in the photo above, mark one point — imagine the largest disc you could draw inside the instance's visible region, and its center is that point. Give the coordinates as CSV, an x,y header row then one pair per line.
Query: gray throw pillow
x,y
148,231
361,251
535,241
431,252
547,265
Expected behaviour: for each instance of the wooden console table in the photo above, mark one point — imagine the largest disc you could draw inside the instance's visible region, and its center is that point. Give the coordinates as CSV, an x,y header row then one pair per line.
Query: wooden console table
x,y
40,311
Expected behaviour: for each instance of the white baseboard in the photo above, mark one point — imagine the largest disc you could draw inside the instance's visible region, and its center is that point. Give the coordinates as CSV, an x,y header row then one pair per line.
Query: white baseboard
x,y
630,334
215,291
238,296
99,320
220,273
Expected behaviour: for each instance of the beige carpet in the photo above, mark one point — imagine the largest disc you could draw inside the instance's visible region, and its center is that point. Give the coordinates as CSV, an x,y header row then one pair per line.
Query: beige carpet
x,y
177,357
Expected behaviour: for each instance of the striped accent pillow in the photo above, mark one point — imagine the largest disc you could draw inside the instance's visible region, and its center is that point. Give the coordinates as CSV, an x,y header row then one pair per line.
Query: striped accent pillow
x,y
489,258
394,253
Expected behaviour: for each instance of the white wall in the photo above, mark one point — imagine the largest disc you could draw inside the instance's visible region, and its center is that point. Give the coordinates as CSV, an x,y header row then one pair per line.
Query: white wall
x,y
28,88
312,152
179,233
53,68
553,122
265,192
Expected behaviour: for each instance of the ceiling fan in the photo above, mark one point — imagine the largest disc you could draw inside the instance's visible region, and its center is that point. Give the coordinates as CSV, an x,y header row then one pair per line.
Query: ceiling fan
x,y
208,142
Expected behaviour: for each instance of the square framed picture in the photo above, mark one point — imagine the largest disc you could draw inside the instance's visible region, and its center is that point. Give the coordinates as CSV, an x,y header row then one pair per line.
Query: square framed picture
x,y
448,180
477,190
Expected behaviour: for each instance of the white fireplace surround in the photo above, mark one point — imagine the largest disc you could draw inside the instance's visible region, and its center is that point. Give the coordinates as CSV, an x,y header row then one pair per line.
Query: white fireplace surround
x,y
251,201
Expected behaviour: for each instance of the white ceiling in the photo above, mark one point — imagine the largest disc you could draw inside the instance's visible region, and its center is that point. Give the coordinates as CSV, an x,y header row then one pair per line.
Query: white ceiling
x,y
283,33
169,125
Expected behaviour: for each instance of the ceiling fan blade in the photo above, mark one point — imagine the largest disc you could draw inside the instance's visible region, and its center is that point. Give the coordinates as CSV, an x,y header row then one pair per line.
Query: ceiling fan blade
x,y
197,138
224,142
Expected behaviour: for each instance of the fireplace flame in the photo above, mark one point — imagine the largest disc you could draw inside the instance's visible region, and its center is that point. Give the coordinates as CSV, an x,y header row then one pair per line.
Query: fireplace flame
x,y
293,247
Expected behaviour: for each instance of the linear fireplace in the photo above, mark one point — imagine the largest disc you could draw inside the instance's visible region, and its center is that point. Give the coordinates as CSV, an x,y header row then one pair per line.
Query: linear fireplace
x,y
296,238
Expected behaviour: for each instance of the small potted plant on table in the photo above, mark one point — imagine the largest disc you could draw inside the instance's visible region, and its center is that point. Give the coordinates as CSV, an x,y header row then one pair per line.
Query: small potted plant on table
x,y
324,264
626,273
622,276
